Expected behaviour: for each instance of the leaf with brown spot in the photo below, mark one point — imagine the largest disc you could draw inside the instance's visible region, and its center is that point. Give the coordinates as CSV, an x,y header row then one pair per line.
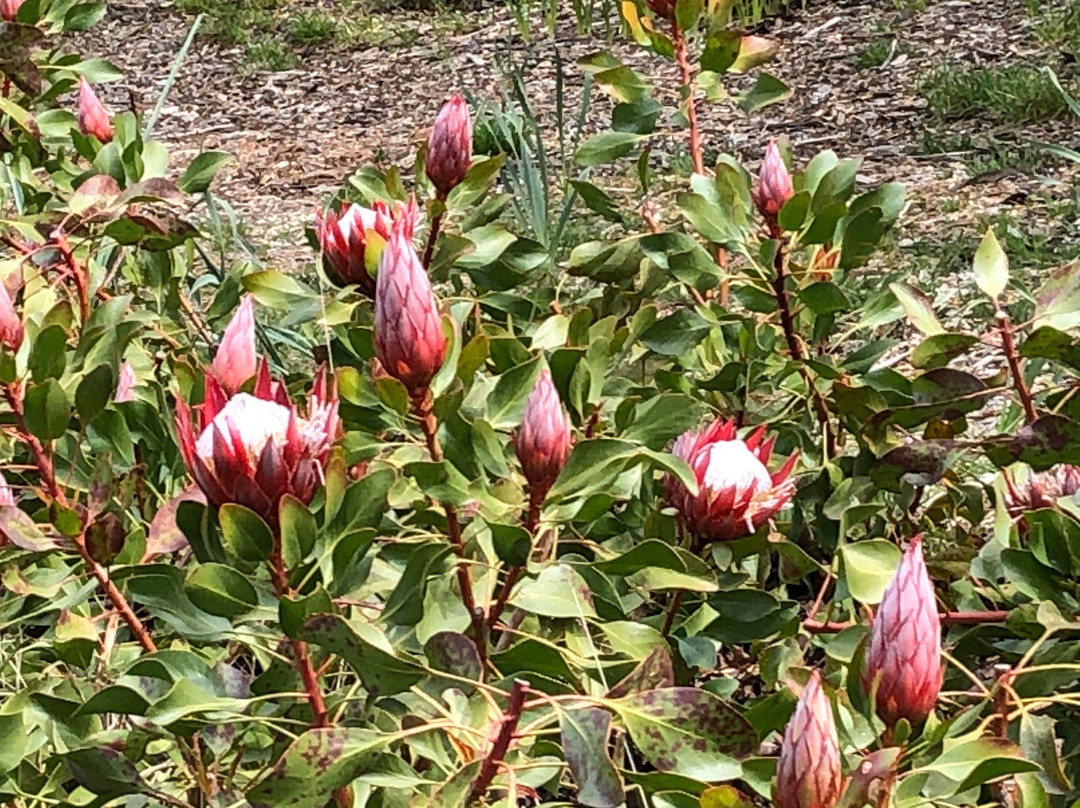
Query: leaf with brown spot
x,y
584,742
453,653
653,672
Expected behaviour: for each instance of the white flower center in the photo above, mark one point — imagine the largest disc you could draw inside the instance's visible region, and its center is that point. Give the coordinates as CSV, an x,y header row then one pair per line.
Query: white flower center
x,y
732,465
257,421
355,217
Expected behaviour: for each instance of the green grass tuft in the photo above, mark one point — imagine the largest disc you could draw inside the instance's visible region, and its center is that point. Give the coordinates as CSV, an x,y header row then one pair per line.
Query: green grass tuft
x,y
1015,94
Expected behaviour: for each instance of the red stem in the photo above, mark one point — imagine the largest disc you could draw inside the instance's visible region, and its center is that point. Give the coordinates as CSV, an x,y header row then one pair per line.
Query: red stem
x,y
672,610
947,619
678,39
433,233
1008,345
422,408
78,274
499,747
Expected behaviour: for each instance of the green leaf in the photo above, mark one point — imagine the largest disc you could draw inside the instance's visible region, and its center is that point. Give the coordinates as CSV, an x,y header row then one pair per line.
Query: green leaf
x,y
867,567
970,763
382,673
606,147
767,89
991,266
298,529
245,535
688,731
294,611
687,13
558,591
584,734
201,171
677,333
94,392
47,410
104,771
507,400
1057,303
940,349
48,354
405,604
450,652
918,309
220,590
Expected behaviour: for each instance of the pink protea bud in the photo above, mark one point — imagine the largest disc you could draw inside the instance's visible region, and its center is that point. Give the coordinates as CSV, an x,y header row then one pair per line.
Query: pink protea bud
x,y
353,239
904,656
9,8
11,327
736,493
409,336
7,496
774,184
449,150
543,441
1027,490
235,361
253,449
808,772
125,385
93,117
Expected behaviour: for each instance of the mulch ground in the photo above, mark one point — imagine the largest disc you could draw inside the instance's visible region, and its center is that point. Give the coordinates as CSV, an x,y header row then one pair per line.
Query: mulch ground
x,y
296,135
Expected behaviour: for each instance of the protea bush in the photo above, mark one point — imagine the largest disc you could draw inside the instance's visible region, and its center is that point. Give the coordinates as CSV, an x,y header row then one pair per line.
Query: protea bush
x,y
537,482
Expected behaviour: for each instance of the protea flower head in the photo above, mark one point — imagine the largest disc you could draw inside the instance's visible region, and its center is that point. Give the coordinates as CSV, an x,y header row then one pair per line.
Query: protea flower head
x,y
253,449
736,493
449,150
1027,490
352,240
11,327
409,336
774,186
7,496
808,772
904,656
543,440
125,385
235,361
93,117
9,8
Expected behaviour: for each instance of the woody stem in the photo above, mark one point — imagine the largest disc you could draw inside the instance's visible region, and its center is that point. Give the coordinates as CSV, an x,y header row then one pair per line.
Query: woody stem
x,y
433,232
678,39
1008,346
422,408
501,745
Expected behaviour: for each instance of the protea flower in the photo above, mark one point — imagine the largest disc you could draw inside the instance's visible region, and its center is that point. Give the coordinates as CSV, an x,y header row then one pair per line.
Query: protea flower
x,y
1027,490
254,449
904,656
9,8
7,496
409,336
11,327
235,361
543,441
93,117
352,240
125,385
774,184
449,150
736,493
808,771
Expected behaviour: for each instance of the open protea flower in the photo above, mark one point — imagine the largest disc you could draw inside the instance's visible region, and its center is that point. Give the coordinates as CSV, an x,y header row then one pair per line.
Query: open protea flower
x,y
11,326
409,336
774,183
352,240
235,361
543,441
904,656
736,493
449,150
1027,490
808,772
93,117
254,449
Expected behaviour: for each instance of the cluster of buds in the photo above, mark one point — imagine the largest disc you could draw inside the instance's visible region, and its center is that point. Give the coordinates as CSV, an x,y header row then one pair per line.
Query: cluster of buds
x,y
903,661
236,360
409,336
449,149
11,326
808,772
774,187
93,117
252,450
736,493
543,441
352,240
1027,490
9,8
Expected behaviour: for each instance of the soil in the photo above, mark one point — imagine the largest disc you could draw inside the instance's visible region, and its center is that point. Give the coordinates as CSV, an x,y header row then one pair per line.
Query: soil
x,y
296,135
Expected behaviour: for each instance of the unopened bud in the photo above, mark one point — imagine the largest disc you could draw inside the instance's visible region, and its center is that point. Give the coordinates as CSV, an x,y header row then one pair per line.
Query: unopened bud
x,y
235,361
11,327
543,441
93,117
774,183
808,772
449,150
9,8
